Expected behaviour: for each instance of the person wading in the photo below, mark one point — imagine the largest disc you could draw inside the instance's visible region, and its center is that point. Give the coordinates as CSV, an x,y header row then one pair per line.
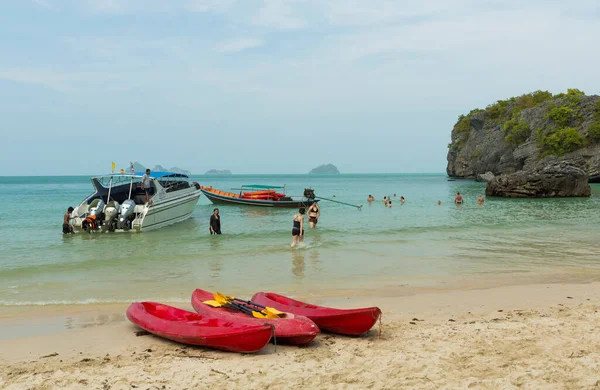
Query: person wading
x,y
314,213
298,227
215,222
67,228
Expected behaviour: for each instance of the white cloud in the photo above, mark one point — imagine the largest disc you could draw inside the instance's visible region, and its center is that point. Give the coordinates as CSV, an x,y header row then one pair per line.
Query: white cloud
x,y
237,45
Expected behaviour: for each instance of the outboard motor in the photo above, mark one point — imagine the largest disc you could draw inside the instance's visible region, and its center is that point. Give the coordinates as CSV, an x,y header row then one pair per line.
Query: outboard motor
x,y
126,212
110,213
309,193
96,208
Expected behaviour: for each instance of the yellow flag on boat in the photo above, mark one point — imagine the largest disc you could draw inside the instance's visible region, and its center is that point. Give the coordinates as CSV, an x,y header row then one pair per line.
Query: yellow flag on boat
x,y
113,166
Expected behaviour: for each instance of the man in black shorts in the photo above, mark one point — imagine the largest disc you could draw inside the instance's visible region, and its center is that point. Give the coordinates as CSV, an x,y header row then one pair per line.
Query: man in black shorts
x,y
67,228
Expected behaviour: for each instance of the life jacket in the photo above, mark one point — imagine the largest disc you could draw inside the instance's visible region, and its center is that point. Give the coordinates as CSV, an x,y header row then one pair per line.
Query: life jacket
x,y
89,223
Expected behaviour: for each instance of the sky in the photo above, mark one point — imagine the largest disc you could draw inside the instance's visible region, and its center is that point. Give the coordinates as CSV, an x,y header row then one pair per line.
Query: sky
x,y
271,86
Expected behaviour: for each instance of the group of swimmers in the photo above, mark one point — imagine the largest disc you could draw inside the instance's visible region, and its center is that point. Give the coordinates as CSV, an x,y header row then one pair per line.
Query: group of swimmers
x,y
387,200
458,199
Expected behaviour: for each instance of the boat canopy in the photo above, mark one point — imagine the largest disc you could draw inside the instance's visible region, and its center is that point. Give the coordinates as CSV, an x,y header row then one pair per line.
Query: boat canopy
x,y
115,179
160,175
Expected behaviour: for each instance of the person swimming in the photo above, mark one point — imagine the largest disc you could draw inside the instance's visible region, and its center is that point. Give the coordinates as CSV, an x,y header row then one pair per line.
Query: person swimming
x,y
458,199
402,199
439,202
298,227
480,200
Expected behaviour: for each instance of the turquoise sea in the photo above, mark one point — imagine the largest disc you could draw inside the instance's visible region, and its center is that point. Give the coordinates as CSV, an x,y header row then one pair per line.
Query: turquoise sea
x,y
415,245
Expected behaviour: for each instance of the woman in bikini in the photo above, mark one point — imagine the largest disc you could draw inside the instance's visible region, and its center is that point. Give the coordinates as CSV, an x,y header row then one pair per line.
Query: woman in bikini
x,y
314,213
298,228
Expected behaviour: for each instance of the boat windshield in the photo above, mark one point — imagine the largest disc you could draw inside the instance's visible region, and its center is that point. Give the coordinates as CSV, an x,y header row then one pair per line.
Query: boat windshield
x,y
117,180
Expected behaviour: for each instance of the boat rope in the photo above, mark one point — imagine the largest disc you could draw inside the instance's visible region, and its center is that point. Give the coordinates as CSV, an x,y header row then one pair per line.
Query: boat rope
x,y
380,324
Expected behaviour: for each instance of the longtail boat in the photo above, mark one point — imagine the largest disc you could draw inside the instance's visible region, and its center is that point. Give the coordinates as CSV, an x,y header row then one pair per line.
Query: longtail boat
x,y
259,195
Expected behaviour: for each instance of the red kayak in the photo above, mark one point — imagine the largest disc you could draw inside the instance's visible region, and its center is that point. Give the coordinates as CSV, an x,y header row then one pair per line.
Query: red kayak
x,y
191,328
342,321
291,329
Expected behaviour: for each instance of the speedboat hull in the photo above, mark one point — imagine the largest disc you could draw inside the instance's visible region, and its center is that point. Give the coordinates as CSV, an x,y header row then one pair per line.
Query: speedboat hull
x,y
170,211
131,208
293,329
190,328
342,321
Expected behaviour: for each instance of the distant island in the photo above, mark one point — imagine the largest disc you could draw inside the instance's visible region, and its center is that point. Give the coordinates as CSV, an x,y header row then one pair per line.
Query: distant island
x,y
325,169
159,168
218,172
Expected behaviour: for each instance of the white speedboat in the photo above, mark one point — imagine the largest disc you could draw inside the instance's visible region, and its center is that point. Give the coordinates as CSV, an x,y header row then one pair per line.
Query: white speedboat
x,y
119,203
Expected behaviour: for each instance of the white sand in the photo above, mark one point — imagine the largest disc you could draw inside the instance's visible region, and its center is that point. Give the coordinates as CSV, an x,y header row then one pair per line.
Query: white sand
x,y
510,337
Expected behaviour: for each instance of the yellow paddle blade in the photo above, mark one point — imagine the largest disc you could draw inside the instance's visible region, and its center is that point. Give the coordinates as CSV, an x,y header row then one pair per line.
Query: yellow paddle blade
x,y
268,314
274,311
259,315
213,303
221,298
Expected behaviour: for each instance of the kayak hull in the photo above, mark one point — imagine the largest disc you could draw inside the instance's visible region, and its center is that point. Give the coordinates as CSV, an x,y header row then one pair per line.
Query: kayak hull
x,y
351,322
293,329
190,328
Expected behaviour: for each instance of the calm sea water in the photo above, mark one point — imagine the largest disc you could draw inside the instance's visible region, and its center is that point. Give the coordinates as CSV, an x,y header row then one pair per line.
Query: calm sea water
x,y
418,244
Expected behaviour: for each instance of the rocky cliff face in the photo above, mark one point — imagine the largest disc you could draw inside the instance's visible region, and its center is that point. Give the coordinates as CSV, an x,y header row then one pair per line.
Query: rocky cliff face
x,y
527,132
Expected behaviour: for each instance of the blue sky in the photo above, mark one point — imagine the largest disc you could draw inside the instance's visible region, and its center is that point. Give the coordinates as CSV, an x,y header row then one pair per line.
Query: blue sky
x,y
265,86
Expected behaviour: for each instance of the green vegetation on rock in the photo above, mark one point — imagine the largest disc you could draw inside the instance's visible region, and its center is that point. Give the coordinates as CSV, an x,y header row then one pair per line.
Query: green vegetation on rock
x,y
560,142
516,132
594,131
561,115
562,119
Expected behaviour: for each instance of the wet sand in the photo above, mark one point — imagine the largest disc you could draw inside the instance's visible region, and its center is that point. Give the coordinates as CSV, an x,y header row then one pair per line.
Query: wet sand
x,y
530,336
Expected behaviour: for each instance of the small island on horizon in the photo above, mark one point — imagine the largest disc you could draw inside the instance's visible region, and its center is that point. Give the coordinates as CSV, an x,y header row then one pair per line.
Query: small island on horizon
x,y
218,172
159,168
325,169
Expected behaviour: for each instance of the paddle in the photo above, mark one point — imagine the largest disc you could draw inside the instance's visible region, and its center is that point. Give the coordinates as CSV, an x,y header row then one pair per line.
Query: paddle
x,y
231,305
335,201
269,309
267,312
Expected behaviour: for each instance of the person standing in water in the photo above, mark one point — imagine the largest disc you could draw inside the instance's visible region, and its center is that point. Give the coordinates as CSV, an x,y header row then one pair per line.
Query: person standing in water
x,y
371,198
215,222
67,228
480,200
314,213
401,199
298,227
458,199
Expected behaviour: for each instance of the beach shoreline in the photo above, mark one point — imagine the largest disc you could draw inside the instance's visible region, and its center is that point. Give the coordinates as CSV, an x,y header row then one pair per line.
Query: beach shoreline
x,y
537,335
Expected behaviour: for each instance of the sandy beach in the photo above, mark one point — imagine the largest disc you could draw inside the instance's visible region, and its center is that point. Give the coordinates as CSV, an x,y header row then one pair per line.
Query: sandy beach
x,y
532,336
